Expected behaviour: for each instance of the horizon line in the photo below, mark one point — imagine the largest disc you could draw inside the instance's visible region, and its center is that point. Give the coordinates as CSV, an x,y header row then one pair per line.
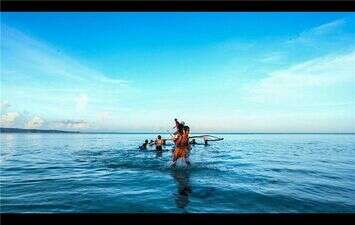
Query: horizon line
x,y
156,132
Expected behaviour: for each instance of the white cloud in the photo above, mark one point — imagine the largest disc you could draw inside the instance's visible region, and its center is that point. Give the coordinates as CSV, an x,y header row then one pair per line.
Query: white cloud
x,y
71,124
81,102
8,118
309,35
274,122
32,70
35,122
308,79
273,57
40,77
33,53
4,105
80,125
327,27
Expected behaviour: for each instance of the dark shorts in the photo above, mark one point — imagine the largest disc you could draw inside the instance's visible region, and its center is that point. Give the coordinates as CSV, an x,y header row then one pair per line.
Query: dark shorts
x,y
159,148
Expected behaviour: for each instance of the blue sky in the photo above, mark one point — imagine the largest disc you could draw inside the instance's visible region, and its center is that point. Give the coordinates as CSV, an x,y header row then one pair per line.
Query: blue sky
x,y
223,72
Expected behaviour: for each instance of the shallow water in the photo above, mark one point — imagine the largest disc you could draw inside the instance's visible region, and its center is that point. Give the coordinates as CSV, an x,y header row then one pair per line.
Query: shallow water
x,y
243,173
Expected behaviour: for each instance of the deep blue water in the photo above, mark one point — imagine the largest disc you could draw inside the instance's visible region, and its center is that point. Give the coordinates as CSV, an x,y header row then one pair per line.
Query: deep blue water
x,y
243,173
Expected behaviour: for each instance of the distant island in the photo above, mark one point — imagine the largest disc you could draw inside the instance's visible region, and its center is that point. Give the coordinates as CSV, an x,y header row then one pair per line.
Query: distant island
x,y
19,130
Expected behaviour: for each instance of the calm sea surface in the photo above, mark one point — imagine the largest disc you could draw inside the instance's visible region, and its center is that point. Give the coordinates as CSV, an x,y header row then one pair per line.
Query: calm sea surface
x,y
243,173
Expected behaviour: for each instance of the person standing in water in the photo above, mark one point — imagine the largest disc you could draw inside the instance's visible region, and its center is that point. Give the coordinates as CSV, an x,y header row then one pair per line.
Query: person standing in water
x,y
181,144
193,142
205,140
144,145
159,143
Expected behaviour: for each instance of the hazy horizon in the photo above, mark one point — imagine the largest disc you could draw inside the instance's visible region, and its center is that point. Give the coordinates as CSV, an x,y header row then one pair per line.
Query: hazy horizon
x,y
165,132
218,72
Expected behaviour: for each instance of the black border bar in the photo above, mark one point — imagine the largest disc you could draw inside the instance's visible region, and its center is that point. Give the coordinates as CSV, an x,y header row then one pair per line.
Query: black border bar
x,y
206,219
184,6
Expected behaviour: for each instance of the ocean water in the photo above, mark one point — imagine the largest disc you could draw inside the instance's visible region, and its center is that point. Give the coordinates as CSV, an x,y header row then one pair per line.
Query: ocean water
x,y
253,173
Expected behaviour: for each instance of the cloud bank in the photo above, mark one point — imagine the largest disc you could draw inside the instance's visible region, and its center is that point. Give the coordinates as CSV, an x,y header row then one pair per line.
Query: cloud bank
x,y
308,36
8,119
71,124
46,80
307,80
35,122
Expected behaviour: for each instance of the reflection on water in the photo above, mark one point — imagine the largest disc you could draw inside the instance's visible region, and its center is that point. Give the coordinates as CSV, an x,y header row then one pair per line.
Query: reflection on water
x,y
182,178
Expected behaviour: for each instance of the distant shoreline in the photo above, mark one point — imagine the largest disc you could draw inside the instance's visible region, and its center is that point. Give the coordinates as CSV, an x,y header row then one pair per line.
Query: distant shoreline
x,y
20,130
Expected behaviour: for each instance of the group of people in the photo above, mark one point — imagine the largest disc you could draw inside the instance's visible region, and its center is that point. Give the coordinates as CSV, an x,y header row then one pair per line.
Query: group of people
x,y
180,139
159,142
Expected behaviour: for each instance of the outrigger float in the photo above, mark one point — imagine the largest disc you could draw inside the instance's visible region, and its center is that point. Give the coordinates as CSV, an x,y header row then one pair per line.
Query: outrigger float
x,y
206,138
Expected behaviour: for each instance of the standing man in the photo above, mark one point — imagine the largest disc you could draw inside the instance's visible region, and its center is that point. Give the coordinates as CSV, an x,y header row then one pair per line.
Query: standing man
x,y
181,143
159,143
